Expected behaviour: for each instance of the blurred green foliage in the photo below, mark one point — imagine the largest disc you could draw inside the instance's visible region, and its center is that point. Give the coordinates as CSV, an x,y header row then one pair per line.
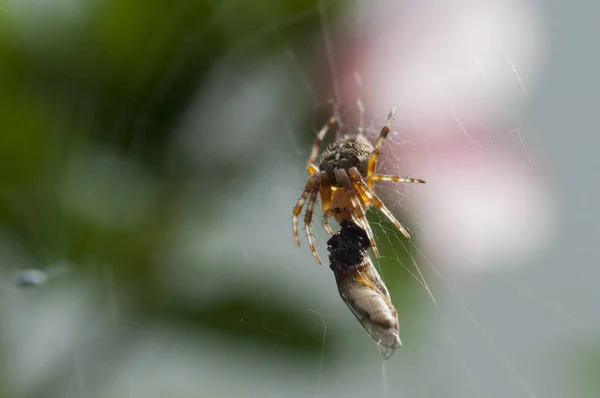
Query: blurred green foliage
x,y
119,77
587,369
114,81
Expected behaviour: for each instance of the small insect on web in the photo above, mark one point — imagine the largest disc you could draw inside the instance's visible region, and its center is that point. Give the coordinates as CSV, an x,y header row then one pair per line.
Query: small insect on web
x,y
345,180
30,278
361,287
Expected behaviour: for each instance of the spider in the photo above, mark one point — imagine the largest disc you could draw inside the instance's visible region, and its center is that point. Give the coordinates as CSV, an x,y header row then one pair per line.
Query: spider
x,y
345,179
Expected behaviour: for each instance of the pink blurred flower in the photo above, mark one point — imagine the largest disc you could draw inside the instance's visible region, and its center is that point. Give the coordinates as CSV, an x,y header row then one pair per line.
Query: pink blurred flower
x,y
459,73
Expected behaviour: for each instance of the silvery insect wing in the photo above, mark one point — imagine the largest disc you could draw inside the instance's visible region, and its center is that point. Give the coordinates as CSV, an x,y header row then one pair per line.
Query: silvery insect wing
x,y
365,294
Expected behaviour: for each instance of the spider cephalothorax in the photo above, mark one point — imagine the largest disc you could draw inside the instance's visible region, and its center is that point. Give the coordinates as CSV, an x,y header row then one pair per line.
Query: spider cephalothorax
x,y
345,179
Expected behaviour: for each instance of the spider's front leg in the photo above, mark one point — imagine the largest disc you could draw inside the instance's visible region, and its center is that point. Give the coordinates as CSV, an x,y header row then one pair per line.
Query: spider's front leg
x,y
364,190
326,202
326,226
393,178
311,166
382,136
356,207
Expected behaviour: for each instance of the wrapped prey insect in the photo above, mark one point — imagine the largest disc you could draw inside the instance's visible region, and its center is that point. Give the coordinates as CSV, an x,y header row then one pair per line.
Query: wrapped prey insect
x,y
361,287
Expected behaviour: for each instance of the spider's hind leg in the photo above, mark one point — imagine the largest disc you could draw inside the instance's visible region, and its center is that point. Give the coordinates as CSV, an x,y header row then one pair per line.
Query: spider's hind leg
x,y
326,202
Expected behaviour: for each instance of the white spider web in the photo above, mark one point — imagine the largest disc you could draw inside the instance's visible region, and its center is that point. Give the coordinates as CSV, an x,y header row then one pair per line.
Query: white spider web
x,y
470,325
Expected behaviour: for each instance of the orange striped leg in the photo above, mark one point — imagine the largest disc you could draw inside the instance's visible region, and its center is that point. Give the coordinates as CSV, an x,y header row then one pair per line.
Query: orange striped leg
x,y
309,214
360,185
299,206
384,132
326,202
367,227
310,164
343,178
326,226
385,177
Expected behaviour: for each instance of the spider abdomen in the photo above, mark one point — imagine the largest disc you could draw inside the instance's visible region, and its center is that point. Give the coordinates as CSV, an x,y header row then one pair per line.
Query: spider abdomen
x,y
348,152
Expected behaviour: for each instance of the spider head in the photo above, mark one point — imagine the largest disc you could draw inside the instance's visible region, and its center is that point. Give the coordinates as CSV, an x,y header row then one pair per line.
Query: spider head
x,y
348,152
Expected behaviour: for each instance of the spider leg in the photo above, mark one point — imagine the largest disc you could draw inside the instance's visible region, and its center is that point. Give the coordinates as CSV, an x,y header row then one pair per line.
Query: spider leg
x,y
367,227
360,185
299,206
373,159
309,213
354,213
311,167
358,222
326,226
385,177
326,202
343,178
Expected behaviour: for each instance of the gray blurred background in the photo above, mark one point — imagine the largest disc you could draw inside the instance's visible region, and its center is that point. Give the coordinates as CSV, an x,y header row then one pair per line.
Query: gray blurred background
x,y
152,151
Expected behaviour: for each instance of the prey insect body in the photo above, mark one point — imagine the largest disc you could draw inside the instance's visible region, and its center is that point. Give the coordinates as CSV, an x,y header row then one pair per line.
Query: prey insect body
x,y
361,287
